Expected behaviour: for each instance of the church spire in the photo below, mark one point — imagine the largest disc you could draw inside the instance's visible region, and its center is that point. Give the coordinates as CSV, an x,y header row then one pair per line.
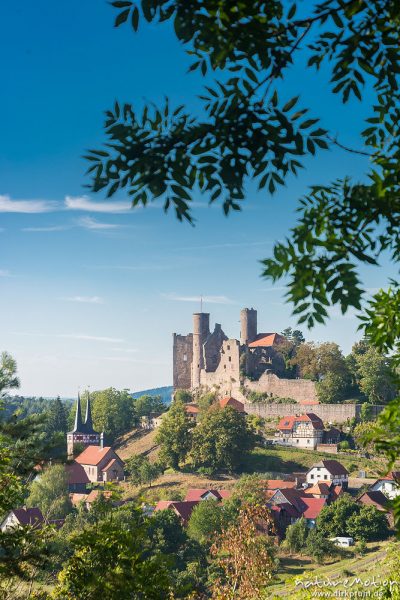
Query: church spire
x,y
88,417
78,415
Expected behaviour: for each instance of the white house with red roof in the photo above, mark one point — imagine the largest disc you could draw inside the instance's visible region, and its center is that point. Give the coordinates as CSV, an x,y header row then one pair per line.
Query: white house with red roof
x,y
302,431
101,464
21,517
388,485
301,503
199,494
328,471
183,509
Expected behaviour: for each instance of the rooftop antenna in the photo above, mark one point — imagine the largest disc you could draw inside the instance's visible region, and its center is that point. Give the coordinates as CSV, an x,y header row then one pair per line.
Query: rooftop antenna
x,y
201,303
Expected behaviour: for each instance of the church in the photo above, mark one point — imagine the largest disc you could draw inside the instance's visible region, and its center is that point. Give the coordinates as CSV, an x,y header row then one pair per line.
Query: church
x,y
83,432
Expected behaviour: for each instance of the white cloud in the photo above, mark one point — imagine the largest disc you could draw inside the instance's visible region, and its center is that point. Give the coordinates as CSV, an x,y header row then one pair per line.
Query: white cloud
x,y
72,336
51,228
84,203
127,350
5,273
26,206
90,223
91,338
227,245
206,299
85,299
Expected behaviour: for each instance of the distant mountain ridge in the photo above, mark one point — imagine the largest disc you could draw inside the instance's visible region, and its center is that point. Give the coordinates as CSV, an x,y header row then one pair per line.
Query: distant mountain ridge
x,y
165,393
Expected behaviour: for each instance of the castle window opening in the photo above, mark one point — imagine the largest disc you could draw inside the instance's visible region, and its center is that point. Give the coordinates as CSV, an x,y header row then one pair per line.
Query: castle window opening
x,y
185,357
228,347
230,359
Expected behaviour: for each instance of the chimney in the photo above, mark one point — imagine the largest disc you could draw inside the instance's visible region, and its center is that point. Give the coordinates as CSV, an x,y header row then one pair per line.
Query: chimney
x,y
102,440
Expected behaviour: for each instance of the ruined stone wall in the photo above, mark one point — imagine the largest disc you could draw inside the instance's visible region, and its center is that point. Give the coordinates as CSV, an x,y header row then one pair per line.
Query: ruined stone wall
x,y
301,390
225,379
182,361
263,359
329,413
212,348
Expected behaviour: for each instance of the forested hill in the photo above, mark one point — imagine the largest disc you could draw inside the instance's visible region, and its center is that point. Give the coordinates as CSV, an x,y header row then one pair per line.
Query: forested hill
x,y
165,393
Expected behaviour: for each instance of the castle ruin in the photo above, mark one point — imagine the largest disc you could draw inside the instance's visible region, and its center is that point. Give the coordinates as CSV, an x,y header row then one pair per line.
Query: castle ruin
x,y
232,367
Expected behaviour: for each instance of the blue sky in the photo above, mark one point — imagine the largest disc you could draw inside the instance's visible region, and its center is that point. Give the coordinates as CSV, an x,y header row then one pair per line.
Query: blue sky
x,y
91,291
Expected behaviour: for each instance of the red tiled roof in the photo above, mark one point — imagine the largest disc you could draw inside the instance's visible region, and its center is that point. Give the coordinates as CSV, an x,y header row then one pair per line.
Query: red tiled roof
x,y
280,484
375,498
76,474
333,467
76,498
293,497
320,488
198,493
28,516
392,476
183,509
287,423
192,409
94,494
228,401
93,455
313,507
336,492
266,339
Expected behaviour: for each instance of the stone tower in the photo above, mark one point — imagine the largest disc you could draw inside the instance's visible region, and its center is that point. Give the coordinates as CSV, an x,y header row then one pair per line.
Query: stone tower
x,y
248,325
83,432
201,330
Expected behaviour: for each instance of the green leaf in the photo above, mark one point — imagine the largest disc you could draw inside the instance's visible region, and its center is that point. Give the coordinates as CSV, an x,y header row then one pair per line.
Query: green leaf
x,y
292,11
135,18
122,17
290,104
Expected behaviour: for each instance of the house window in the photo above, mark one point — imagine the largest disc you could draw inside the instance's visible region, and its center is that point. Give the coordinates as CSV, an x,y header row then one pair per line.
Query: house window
x,y
325,476
297,441
311,476
308,441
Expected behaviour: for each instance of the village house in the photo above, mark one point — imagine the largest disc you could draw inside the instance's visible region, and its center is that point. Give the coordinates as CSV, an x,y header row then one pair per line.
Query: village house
x,y
377,499
101,464
328,470
77,478
302,505
22,517
182,509
389,485
192,411
303,431
199,494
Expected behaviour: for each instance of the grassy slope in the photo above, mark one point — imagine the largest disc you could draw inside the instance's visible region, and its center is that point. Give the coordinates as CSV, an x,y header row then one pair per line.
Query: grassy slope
x,y
262,460
289,460
373,563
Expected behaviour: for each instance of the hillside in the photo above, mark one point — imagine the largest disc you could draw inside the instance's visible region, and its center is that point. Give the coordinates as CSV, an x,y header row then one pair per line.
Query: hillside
x,y
165,393
373,564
